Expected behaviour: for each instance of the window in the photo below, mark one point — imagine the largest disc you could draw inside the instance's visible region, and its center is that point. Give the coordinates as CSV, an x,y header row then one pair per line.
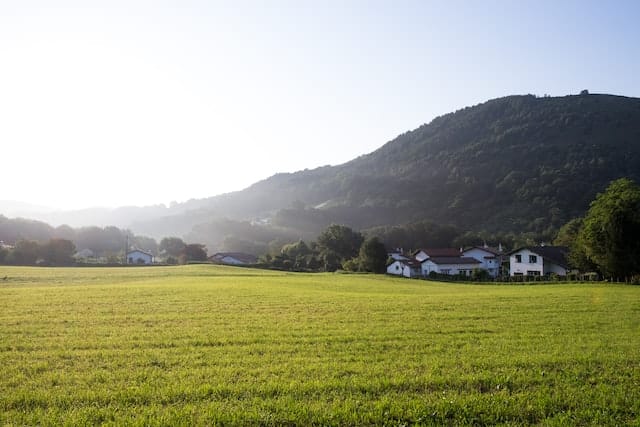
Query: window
x,y
533,259
518,258
533,273
445,271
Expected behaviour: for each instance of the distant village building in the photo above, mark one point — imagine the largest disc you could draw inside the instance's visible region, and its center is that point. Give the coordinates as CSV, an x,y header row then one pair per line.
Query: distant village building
x,y
404,267
452,266
538,261
398,255
233,258
137,256
423,254
84,254
490,258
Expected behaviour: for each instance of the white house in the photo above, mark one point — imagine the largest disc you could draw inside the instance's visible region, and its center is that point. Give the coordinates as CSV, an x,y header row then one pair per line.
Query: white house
x,y
490,258
463,266
137,256
84,254
538,261
407,268
233,258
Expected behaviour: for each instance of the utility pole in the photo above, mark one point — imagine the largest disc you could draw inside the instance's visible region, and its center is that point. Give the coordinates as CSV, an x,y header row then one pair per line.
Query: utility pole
x,y
126,247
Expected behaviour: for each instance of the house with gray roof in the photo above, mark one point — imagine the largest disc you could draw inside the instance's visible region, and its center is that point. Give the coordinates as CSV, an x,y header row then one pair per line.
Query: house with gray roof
x,y
539,261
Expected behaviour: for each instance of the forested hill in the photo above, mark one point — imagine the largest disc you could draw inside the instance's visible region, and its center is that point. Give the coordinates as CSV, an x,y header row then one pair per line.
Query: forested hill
x,y
519,163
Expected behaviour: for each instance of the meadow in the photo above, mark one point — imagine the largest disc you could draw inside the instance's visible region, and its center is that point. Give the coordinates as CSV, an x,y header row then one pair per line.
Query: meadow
x,y
207,345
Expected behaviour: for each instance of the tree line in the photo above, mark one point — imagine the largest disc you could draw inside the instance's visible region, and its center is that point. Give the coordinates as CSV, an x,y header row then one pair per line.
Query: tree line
x,y
28,242
337,247
607,239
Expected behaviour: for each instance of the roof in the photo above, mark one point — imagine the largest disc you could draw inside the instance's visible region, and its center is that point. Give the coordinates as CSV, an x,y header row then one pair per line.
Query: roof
x,y
139,251
411,263
440,252
555,254
246,258
453,260
488,249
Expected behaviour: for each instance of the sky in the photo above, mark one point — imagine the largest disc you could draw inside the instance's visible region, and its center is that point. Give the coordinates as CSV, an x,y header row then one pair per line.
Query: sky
x,y
113,103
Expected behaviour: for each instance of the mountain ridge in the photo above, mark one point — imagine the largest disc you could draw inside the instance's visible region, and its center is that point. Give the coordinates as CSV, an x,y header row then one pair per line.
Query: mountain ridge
x,y
516,164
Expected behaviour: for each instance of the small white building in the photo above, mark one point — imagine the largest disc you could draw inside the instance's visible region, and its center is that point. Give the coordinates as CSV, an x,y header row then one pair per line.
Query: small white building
x,y
490,258
406,268
463,266
233,258
538,261
137,256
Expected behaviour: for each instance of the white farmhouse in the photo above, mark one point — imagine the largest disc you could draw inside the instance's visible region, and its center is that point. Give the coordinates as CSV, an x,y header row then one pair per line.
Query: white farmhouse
x,y
407,268
137,256
452,266
490,258
538,261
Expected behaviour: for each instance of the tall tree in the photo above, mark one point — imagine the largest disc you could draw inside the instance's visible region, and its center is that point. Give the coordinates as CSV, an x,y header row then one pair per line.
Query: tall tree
x,y
172,246
372,256
341,241
25,252
194,252
58,251
610,235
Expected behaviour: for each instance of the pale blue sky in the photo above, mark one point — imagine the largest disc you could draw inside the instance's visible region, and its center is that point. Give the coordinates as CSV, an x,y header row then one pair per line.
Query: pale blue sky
x,y
142,102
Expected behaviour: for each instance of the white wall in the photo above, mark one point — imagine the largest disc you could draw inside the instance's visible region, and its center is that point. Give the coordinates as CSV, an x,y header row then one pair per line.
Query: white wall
x,y
525,265
398,268
451,269
134,257
395,268
491,265
231,260
550,267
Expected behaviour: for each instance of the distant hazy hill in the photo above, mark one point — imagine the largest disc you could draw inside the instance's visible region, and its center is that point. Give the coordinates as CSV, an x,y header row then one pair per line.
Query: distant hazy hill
x,y
513,164
519,163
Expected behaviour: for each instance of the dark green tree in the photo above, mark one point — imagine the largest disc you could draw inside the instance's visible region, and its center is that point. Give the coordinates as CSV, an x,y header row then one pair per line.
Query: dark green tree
x,y
610,234
25,252
568,236
337,244
171,246
372,256
58,252
194,252
3,254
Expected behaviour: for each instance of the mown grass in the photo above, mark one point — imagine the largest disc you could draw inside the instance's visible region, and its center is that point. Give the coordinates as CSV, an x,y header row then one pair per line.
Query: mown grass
x,y
202,345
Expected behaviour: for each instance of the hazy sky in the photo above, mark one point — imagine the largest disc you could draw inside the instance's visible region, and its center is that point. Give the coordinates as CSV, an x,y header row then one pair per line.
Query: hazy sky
x,y
141,102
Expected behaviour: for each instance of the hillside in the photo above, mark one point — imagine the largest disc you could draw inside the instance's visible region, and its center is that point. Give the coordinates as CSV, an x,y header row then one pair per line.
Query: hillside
x,y
514,164
510,165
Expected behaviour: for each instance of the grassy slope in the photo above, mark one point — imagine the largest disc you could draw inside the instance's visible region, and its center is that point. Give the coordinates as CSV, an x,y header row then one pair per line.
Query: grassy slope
x,y
204,344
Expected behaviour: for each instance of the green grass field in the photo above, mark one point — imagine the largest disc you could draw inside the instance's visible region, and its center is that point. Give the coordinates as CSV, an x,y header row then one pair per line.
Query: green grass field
x,y
202,345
